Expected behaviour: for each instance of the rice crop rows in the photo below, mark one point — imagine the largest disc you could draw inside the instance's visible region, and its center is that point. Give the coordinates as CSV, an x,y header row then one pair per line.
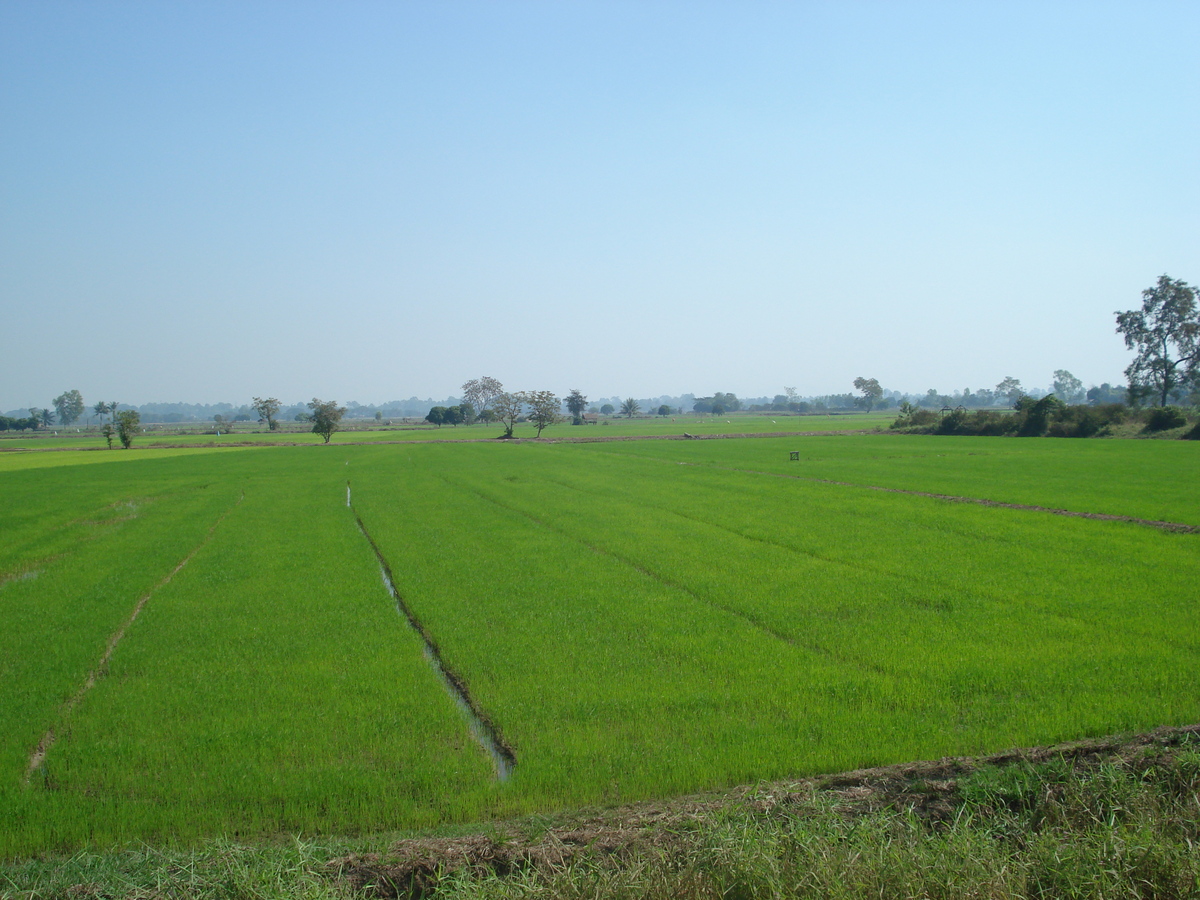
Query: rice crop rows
x,y
634,619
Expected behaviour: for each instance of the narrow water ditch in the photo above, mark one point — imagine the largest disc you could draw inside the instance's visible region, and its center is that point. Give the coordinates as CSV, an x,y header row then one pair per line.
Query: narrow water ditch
x,y
504,760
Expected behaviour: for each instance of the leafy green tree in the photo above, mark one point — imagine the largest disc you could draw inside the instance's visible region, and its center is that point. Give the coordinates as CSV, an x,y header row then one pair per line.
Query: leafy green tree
x,y
607,409
1107,393
1010,388
1038,414
630,408
108,433
508,408
326,417
664,410
436,416
544,409
70,406
481,393
267,410
576,403
870,390
453,416
1067,387
127,423
1166,334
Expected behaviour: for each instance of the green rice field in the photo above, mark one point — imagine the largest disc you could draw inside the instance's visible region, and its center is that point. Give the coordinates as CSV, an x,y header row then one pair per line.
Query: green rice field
x,y
201,641
364,431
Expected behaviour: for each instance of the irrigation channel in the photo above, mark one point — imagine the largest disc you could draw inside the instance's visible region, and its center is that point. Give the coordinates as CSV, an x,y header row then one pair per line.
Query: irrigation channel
x,y
481,728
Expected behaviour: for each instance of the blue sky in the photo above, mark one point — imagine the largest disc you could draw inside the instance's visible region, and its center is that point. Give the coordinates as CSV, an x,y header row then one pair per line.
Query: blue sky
x,y
364,201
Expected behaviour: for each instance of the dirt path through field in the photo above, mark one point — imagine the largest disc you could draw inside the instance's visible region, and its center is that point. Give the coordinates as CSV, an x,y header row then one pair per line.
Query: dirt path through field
x,y
38,757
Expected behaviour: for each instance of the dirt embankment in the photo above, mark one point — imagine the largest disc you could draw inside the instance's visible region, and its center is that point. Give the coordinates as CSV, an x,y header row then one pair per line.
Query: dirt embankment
x,y
929,790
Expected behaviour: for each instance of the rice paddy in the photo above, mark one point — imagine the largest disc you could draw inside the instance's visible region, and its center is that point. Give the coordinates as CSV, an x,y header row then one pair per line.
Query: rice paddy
x,y
629,619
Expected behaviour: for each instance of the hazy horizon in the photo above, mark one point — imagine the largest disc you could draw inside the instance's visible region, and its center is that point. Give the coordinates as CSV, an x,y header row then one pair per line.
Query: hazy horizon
x,y
377,200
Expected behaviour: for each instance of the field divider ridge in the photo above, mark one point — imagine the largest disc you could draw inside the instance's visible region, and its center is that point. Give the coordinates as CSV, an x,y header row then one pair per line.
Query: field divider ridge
x,y
649,573
856,566
38,757
482,728
1175,527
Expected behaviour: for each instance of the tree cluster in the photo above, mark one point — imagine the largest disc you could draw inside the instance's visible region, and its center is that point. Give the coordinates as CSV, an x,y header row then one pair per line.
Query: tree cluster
x,y
451,415
1037,417
10,423
718,404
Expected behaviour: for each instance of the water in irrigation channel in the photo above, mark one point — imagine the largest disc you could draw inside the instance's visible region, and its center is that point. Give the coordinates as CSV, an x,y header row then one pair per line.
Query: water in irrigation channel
x,y
482,731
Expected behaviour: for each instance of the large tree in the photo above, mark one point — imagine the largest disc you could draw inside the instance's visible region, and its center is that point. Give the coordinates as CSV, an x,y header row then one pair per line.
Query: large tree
x,y
267,410
870,390
544,409
576,403
508,408
326,417
1011,389
69,405
481,393
1067,387
1166,334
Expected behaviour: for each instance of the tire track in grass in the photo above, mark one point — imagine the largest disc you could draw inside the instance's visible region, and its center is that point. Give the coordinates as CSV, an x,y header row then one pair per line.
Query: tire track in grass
x,y
485,732
858,566
855,567
1175,527
649,573
38,757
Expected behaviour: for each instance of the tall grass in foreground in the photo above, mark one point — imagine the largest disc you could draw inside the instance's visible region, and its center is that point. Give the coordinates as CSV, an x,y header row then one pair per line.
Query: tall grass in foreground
x,y
1115,832
1122,828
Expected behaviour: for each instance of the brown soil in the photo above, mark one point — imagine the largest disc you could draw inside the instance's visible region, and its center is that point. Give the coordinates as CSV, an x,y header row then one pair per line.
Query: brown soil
x,y
413,868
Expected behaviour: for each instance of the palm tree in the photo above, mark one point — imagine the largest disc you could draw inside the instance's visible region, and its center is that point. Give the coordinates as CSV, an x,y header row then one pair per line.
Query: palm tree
x,y
100,409
47,418
630,407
